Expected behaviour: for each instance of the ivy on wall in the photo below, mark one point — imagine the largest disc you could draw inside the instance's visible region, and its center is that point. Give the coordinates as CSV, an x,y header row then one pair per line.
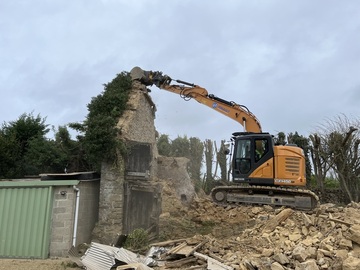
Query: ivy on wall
x,y
99,132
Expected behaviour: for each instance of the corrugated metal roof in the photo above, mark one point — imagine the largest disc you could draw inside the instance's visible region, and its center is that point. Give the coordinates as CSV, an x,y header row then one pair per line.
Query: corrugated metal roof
x,y
38,183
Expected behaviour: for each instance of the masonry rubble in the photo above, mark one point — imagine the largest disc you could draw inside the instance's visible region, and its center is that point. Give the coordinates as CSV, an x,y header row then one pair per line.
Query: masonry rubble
x,y
328,238
277,239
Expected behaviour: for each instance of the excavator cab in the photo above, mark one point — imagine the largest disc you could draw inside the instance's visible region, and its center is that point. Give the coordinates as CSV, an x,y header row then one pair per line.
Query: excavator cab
x,y
253,158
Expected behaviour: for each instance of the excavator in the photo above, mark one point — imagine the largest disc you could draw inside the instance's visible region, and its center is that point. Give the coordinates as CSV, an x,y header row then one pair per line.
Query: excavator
x,y
262,173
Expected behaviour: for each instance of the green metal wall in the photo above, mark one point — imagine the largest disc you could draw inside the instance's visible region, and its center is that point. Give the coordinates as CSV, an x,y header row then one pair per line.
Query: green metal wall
x,y
25,215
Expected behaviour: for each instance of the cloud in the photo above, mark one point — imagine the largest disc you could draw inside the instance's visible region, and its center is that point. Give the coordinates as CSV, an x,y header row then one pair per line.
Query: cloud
x,y
292,63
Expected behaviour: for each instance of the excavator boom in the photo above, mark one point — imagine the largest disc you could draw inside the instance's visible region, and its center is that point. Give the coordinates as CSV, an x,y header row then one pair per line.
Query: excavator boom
x,y
237,112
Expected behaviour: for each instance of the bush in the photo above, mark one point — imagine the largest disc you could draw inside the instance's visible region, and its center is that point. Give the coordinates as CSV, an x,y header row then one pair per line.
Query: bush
x,y
137,240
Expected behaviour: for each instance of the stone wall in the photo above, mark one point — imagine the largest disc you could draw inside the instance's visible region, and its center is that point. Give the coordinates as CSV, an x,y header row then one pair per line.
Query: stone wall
x,y
136,170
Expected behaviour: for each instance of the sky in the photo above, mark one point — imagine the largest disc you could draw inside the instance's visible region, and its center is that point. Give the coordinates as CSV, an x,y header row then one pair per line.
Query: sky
x,y
294,64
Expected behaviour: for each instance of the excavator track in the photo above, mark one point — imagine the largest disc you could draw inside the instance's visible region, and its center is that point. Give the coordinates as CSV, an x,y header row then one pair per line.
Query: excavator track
x,y
298,199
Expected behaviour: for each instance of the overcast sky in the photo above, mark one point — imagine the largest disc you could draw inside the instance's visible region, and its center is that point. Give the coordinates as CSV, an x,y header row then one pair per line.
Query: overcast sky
x,y
294,64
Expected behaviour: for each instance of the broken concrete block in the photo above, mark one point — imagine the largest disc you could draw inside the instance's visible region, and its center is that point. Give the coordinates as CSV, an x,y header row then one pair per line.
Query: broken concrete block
x,y
312,251
307,220
351,263
355,233
326,246
256,210
299,253
281,258
294,237
324,252
345,243
307,242
341,253
267,252
276,266
308,265
304,230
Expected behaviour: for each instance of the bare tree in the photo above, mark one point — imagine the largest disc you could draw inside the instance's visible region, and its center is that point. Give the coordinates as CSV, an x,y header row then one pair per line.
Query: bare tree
x,y
338,149
209,158
221,160
320,159
196,157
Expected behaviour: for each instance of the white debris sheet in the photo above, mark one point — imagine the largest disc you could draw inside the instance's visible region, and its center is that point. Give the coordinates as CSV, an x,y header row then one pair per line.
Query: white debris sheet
x,y
103,257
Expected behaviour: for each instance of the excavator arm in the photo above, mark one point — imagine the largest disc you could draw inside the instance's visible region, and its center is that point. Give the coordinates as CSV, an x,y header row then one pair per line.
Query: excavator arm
x,y
187,91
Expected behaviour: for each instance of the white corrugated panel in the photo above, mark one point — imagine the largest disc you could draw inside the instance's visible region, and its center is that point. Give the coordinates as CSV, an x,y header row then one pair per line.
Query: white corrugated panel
x,y
102,257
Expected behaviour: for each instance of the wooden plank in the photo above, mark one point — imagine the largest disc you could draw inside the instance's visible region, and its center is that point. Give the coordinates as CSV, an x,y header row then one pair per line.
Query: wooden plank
x,y
167,243
275,221
181,262
176,249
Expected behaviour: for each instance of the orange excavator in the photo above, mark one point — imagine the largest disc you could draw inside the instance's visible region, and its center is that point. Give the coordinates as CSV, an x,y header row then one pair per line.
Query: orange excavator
x,y
262,172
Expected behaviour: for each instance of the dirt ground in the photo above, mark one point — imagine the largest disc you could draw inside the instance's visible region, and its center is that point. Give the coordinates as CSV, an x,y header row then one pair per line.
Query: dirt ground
x,y
53,264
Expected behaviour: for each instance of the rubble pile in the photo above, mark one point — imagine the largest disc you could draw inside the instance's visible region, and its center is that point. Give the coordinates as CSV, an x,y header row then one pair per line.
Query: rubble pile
x,y
202,235
263,237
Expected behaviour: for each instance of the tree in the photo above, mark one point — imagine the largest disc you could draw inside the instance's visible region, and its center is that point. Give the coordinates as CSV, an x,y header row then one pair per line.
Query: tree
x,y
43,156
98,133
180,147
196,158
340,140
191,148
164,145
16,138
209,158
319,157
280,139
222,160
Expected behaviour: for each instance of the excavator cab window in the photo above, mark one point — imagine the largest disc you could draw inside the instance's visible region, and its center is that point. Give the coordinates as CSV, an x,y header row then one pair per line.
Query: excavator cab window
x,y
250,152
261,148
243,156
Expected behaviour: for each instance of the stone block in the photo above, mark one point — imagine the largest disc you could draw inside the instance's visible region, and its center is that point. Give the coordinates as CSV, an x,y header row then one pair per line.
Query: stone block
x,y
345,243
351,263
276,266
355,233
308,265
281,258
299,253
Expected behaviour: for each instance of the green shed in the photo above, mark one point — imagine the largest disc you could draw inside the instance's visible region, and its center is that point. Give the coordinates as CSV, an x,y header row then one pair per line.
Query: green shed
x,y
42,219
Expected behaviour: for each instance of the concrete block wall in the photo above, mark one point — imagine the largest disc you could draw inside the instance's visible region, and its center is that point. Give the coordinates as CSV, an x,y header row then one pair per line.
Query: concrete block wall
x,y
62,221
88,210
63,216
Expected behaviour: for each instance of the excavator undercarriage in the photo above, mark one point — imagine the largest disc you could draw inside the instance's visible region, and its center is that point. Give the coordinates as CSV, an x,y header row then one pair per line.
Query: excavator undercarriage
x,y
298,199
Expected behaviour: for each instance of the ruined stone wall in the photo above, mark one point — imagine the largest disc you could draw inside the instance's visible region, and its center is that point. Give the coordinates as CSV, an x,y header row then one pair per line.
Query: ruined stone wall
x,y
136,127
174,171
